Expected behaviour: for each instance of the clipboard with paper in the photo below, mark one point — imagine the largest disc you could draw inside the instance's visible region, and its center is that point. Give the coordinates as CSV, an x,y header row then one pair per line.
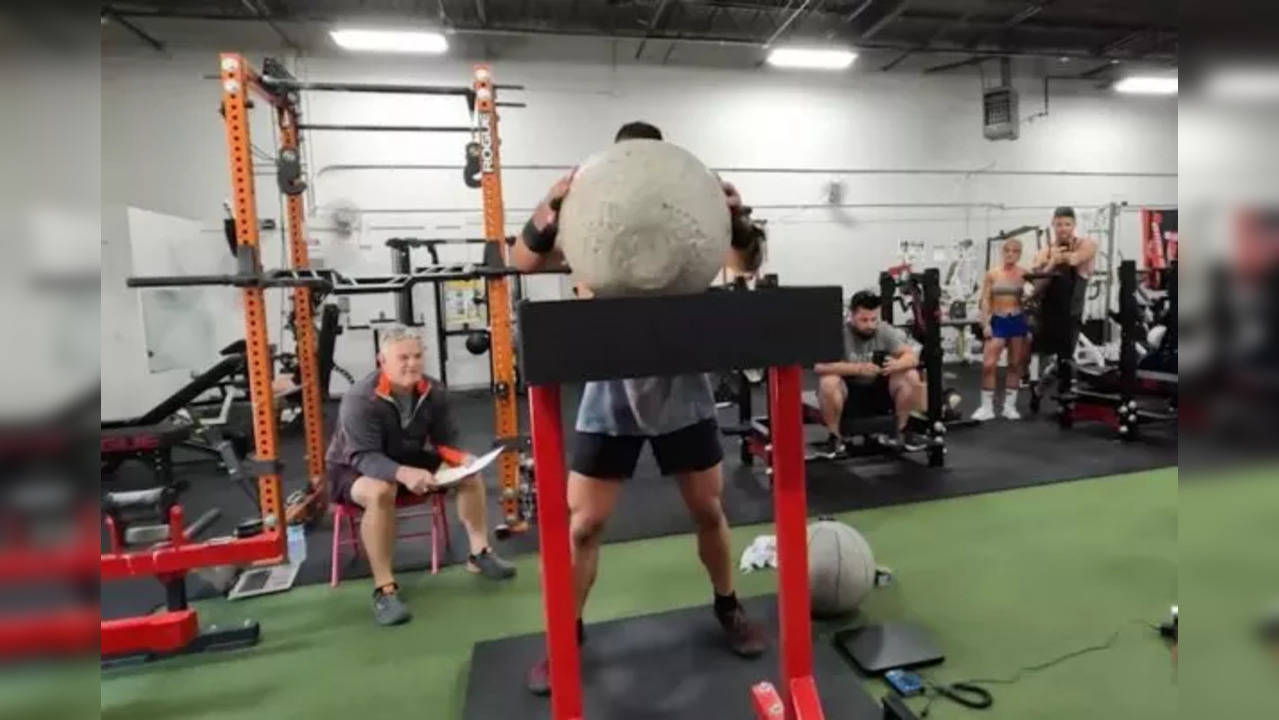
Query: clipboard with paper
x,y
450,476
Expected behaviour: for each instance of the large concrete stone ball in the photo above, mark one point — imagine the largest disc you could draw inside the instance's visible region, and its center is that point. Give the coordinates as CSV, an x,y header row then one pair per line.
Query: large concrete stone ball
x,y
644,217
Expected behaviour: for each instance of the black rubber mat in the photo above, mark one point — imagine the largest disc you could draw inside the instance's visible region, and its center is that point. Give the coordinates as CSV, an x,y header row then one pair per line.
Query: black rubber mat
x,y
998,455
665,666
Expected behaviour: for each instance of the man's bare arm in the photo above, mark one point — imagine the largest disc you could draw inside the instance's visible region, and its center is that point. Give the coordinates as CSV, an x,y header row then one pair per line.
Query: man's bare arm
x,y
844,369
526,260
1086,251
534,247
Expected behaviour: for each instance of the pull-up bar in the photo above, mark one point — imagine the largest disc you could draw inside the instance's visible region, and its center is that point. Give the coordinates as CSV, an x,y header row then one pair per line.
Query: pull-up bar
x,y
277,83
334,282
390,128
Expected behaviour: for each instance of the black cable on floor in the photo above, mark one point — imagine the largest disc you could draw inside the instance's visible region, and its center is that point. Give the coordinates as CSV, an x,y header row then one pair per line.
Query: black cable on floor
x,y
969,693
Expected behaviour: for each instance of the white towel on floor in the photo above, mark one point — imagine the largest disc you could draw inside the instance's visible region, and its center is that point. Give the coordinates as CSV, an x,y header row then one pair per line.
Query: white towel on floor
x,y
761,554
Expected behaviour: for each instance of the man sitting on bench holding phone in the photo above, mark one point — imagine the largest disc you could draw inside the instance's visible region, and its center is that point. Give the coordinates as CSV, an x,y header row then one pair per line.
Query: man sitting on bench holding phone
x,y
879,376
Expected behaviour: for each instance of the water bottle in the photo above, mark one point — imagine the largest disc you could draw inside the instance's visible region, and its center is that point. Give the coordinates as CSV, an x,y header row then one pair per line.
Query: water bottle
x,y
297,544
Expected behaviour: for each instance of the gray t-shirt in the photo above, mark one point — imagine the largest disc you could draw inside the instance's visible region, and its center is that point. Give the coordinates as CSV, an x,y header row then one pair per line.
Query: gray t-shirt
x,y
648,406
887,339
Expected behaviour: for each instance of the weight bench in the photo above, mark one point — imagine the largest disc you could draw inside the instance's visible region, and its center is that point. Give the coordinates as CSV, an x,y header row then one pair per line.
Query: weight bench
x,y
860,432
151,444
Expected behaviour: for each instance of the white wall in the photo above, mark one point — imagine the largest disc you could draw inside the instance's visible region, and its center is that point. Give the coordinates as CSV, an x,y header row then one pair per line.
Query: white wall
x,y
907,147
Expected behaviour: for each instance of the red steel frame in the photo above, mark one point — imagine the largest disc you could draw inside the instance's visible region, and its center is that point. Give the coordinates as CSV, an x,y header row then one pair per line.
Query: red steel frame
x,y
798,699
58,631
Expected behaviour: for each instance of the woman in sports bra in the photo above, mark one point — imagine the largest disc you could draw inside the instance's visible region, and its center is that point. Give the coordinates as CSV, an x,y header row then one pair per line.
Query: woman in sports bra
x,y
1005,327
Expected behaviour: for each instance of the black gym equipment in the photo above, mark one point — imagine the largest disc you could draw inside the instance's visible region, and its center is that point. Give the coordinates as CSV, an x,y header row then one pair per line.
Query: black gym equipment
x,y
667,665
908,293
151,436
864,432
1141,389
477,338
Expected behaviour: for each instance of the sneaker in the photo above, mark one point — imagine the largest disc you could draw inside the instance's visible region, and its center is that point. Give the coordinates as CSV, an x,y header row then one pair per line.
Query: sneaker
x,y
489,565
388,609
745,638
832,446
538,678
884,440
913,441
1010,412
984,413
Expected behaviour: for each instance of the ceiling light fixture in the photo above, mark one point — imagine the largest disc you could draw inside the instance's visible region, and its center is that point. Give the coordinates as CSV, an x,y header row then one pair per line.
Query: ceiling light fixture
x,y
1147,85
390,41
810,58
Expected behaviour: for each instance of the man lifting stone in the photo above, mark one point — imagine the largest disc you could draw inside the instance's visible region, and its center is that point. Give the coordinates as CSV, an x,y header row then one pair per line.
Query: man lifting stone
x,y
617,417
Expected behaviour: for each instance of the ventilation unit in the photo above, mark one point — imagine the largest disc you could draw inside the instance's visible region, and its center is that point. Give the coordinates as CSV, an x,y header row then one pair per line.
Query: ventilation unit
x,y
999,114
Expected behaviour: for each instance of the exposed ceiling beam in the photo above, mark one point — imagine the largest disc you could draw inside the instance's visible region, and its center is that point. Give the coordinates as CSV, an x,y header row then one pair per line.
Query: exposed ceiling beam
x,y
257,8
736,32
1028,12
481,12
937,35
1122,41
138,32
896,61
1098,70
857,11
659,15
887,19
710,25
786,23
955,65
732,22
983,20
1031,10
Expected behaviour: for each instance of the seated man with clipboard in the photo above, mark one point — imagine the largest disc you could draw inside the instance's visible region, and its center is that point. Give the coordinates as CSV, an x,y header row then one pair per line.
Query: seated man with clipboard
x,y
394,434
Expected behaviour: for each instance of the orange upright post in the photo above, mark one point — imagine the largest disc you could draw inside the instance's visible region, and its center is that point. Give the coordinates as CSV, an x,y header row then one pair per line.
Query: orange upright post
x,y
304,331
506,420
236,77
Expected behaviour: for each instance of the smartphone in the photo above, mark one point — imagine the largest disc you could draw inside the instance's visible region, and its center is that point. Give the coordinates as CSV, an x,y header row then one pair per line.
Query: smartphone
x,y
905,683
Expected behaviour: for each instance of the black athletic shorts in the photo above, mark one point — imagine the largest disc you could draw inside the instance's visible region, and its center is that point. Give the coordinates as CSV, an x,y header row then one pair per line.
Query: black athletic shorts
x,y
341,477
613,457
868,399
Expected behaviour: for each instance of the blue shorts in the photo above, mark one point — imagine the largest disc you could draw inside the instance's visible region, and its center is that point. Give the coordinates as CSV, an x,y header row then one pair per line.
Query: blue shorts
x,y
1009,326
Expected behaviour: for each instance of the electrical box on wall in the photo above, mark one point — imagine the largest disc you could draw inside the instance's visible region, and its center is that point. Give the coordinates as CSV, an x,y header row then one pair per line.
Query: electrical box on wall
x,y
1000,119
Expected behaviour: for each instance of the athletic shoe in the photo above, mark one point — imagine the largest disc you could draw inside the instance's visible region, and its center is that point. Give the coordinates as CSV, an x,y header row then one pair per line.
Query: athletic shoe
x,y
913,441
538,679
745,638
884,440
388,609
1010,412
832,446
984,413
489,565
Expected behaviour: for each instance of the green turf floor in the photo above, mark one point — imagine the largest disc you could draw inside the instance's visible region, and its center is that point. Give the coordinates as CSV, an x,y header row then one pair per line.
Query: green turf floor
x,y
1004,580
1228,577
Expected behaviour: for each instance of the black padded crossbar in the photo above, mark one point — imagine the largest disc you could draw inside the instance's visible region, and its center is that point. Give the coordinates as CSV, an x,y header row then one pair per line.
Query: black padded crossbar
x,y
130,499
599,339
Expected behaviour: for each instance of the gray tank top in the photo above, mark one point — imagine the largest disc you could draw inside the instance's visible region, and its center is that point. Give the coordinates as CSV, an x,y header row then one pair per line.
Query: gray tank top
x,y
647,406
1006,287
